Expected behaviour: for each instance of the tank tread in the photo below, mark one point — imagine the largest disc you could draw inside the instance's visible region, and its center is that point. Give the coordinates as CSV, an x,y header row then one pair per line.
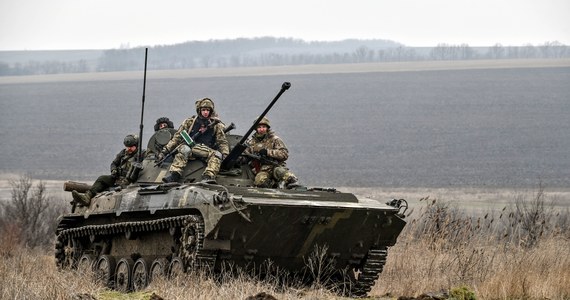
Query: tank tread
x,y
370,272
121,228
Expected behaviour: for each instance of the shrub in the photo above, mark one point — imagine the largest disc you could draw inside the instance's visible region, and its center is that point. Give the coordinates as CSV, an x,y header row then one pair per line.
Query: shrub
x,y
462,293
29,217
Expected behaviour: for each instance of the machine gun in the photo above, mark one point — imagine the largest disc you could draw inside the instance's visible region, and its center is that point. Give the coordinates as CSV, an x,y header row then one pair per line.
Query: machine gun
x,y
240,147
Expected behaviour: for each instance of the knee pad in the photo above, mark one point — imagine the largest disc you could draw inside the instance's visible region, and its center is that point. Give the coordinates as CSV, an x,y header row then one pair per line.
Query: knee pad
x,y
280,173
262,180
184,149
218,154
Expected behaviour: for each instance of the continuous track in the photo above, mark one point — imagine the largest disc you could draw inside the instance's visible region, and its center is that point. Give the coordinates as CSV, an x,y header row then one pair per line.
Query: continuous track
x,y
68,250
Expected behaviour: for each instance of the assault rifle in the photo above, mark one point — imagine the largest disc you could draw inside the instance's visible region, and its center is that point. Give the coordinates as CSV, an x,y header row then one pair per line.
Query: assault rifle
x,y
240,147
262,158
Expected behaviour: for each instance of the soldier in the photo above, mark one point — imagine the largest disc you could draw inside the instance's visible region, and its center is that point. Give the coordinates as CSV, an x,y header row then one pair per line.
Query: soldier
x,y
211,143
163,122
163,133
119,169
270,170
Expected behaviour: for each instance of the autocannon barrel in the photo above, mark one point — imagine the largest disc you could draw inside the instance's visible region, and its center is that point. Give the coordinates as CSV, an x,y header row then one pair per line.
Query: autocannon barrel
x,y
81,187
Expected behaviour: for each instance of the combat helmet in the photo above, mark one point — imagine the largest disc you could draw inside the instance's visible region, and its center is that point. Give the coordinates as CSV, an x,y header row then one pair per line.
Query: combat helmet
x,y
131,140
205,102
264,121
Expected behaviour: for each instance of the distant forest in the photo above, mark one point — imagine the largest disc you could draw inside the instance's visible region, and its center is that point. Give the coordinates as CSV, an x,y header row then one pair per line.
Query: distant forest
x,y
256,52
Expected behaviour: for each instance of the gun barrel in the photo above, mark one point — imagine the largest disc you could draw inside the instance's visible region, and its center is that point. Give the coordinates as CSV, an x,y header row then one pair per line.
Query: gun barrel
x,y
230,160
285,86
81,187
230,127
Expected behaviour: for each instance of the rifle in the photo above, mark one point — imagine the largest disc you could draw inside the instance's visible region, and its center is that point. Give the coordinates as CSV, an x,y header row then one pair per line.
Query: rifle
x,y
135,169
190,140
262,158
187,139
231,159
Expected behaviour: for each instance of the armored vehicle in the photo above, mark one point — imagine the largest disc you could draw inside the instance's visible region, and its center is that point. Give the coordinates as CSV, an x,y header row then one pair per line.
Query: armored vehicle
x,y
131,235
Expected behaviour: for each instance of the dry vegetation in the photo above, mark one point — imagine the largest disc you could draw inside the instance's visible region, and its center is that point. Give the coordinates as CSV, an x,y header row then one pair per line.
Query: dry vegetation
x,y
519,252
29,274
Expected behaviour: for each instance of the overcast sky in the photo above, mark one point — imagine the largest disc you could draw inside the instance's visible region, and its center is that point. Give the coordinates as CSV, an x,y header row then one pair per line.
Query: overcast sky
x,y
105,24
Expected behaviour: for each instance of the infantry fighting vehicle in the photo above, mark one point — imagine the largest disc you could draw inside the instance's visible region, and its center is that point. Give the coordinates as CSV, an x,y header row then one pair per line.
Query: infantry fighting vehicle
x,y
131,235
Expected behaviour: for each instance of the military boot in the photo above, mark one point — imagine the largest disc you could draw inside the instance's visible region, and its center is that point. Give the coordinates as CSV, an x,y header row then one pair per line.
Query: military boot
x,y
83,199
291,182
208,179
172,177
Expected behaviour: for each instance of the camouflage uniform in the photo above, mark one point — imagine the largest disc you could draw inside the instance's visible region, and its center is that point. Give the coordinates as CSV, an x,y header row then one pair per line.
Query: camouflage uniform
x,y
119,169
211,145
269,175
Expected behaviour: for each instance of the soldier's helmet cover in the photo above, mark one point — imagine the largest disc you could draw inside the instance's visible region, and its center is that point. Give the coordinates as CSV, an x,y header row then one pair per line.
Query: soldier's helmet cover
x,y
131,140
207,103
163,120
264,121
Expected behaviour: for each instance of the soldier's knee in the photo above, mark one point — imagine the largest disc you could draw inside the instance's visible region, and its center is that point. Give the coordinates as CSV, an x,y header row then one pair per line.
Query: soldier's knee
x,y
280,173
216,154
184,150
214,157
262,180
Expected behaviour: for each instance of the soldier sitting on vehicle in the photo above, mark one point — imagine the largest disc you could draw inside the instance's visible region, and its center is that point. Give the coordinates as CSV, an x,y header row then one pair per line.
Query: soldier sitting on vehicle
x,y
163,133
267,154
210,143
119,169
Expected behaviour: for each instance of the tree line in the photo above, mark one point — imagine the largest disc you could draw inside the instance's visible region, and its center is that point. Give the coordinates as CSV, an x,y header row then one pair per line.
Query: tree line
x,y
269,51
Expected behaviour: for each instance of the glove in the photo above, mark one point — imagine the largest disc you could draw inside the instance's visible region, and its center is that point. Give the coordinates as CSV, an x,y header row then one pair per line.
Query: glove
x,y
160,156
263,152
242,160
114,173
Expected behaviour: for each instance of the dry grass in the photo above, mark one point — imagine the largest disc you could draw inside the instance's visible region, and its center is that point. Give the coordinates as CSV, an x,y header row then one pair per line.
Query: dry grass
x,y
32,275
518,252
492,271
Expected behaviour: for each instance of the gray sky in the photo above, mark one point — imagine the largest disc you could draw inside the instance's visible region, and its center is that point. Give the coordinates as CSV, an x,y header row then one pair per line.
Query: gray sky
x,y
105,24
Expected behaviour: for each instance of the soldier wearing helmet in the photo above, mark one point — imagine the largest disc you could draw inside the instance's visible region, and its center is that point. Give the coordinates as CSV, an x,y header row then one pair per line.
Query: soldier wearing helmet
x,y
119,168
211,143
266,144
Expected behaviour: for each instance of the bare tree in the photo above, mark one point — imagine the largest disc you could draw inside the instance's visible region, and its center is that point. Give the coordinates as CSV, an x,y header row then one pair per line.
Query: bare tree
x,y
30,213
496,52
441,52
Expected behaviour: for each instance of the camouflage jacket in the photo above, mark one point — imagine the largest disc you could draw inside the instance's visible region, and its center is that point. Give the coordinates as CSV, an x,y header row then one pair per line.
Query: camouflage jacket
x,y
122,163
275,146
220,141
